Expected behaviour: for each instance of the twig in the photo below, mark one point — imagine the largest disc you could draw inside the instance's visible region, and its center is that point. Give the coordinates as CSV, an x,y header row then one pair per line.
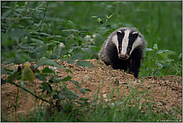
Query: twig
x,y
29,92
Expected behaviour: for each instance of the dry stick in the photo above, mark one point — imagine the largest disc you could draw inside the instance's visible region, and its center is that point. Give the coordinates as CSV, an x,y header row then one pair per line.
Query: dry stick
x,y
30,92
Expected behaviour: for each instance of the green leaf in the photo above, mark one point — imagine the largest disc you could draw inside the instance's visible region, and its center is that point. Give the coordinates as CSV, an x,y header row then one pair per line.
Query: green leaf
x,y
53,42
3,71
46,86
76,47
37,70
160,51
180,57
20,10
108,32
56,36
148,49
165,51
99,20
70,94
88,90
85,64
71,23
39,49
40,77
60,97
17,33
75,56
74,82
84,99
26,57
9,42
71,30
70,50
37,42
117,82
80,38
86,50
50,43
53,63
159,65
7,13
82,90
70,61
53,80
94,17
109,16
3,81
14,75
20,59
4,38
47,70
90,46
78,56
67,78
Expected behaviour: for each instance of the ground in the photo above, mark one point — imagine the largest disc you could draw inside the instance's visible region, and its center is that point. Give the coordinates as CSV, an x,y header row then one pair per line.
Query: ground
x,y
166,90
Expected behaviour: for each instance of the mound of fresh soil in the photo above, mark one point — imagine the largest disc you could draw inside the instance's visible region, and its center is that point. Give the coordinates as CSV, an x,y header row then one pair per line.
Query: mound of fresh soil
x,y
166,90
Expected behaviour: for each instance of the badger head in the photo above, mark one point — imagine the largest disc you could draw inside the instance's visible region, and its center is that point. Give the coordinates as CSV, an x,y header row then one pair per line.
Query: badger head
x,y
126,40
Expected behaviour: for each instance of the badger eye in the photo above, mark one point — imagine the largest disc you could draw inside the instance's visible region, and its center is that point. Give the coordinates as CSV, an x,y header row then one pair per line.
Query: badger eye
x,y
128,48
120,47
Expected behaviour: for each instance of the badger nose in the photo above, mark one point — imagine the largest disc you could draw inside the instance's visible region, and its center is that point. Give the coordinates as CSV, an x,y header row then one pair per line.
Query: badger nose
x,y
124,57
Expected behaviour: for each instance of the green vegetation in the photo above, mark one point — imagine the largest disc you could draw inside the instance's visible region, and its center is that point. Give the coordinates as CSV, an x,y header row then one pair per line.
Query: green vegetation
x,y
44,31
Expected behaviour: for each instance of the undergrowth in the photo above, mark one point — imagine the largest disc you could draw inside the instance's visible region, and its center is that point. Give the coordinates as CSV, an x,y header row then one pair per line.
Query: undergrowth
x,y
130,108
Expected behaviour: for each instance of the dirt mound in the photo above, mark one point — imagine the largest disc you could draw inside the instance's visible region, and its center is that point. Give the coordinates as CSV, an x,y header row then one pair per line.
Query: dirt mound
x,y
166,90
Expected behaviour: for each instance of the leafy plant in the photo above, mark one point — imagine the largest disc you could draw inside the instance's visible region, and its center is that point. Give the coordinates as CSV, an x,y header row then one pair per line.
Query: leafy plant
x,y
154,62
24,44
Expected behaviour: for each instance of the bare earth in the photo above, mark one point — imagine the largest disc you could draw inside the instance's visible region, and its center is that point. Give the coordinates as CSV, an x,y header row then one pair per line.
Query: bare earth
x,y
166,90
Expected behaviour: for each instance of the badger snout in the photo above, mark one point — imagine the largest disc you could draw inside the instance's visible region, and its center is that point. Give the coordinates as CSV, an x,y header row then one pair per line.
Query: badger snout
x,y
123,56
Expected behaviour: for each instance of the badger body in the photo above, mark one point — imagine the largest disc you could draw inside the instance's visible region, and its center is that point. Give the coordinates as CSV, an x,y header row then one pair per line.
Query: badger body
x,y
123,50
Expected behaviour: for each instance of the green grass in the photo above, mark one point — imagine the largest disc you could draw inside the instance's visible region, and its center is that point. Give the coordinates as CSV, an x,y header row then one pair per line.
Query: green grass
x,y
31,31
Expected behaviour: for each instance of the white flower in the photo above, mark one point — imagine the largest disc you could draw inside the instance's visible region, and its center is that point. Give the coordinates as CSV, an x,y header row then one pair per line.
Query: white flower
x,y
51,67
61,45
26,3
26,37
94,36
88,36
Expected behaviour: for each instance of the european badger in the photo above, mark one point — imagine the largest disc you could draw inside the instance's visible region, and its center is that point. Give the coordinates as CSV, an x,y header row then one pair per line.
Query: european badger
x,y
123,49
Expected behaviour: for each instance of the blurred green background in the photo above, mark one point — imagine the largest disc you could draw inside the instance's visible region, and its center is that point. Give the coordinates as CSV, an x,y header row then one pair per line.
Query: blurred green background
x,y
83,26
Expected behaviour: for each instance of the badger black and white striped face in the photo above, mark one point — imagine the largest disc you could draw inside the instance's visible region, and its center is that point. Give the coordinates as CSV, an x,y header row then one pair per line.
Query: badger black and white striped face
x,y
126,40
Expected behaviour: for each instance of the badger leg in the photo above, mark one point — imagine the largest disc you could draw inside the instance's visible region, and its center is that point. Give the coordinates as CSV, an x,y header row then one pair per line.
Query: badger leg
x,y
119,64
134,67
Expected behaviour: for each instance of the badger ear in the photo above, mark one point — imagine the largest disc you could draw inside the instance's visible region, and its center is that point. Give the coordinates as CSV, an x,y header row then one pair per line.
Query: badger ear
x,y
135,34
120,32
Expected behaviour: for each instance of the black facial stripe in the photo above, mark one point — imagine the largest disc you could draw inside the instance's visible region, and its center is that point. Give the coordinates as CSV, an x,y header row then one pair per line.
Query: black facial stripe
x,y
120,36
132,37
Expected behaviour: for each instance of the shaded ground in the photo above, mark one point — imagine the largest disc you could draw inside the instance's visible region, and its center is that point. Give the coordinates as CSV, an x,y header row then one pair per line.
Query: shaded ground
x,y
165,90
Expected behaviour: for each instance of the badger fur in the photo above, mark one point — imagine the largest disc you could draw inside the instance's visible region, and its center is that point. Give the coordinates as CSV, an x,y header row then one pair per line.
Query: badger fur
x,y
123,50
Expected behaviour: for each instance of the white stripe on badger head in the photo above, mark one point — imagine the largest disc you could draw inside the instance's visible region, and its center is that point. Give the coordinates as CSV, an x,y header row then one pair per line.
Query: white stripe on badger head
x,y
115,40
125,42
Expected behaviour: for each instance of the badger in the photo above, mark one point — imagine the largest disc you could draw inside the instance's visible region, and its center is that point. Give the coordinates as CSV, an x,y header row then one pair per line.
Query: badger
x,y
123,50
